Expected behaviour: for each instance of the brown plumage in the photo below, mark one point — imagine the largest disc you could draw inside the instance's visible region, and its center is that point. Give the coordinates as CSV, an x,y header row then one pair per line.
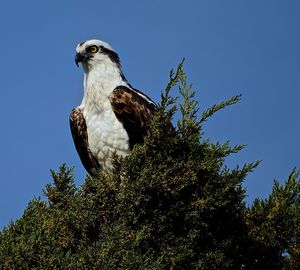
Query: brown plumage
x,y
80,137
133,111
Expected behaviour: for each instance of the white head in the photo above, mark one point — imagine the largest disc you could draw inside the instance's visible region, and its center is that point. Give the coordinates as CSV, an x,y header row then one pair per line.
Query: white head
x,y
93,52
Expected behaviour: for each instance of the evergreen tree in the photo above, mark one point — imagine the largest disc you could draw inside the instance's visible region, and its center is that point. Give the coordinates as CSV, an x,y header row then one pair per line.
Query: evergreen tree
x,y
171,204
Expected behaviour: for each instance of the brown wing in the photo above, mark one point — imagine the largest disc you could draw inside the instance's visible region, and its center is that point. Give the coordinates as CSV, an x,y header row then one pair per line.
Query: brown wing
x,y
133,110
80,137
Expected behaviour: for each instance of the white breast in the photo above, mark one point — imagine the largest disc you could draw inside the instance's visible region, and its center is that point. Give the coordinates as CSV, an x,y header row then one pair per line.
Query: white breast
x,y
105,133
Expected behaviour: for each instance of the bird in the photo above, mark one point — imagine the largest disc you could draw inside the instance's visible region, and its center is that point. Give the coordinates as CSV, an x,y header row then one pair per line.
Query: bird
x,y
113,116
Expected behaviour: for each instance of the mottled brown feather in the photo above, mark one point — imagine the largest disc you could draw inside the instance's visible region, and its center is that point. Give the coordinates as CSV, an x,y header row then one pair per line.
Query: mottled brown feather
x,y
133,111
80,137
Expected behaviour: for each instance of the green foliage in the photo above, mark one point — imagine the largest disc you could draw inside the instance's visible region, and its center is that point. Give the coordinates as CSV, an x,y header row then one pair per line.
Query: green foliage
x,y
274,227
171,204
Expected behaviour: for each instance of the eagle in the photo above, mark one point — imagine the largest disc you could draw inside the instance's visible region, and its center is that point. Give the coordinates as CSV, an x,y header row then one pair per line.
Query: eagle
x,y
113,116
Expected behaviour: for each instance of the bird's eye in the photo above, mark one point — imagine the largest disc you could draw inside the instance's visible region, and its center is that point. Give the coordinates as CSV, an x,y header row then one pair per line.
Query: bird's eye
x,y
92,49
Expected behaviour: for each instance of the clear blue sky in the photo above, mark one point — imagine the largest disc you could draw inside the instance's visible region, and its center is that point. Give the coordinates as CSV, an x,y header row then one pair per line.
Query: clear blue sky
x,y
231,47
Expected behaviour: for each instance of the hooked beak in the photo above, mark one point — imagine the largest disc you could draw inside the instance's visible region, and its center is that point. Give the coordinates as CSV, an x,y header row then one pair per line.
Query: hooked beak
x,y
79,58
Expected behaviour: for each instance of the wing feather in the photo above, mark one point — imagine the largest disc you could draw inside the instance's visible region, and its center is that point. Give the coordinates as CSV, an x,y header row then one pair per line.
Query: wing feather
x,y
133,110
80,138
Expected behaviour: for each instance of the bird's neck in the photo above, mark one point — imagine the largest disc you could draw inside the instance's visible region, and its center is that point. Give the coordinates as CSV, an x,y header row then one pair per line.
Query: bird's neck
x,y
99,82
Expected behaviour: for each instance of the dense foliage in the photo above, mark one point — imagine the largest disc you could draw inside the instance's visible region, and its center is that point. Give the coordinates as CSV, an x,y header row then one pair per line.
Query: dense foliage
x,y
171,204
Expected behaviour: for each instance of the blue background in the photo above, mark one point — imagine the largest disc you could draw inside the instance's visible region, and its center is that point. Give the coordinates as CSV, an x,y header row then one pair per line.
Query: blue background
x,y
231,47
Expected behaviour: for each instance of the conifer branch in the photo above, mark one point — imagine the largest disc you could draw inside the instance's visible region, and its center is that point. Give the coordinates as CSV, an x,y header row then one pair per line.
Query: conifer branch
x,y
210,111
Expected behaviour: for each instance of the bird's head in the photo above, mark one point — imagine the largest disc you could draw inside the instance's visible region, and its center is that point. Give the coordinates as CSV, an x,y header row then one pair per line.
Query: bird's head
x,y
93,52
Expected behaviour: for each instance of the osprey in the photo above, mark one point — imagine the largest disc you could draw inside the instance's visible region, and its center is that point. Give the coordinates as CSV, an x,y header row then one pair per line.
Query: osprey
x,y
112,116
